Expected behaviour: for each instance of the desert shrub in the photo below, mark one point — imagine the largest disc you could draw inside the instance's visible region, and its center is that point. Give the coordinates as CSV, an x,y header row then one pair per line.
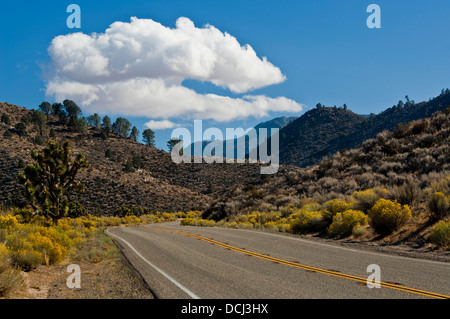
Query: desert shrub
x,y
332,207
359,231
408,193
271,216
26,259
364,200
149,219
440,235
344,223
76,210
96,248
270,226
284,227
306,222
243,225
188,221
7,222
51,251
10,279
419,126
231,225
387,216
169,216
206,223
130,220
193,214
439,206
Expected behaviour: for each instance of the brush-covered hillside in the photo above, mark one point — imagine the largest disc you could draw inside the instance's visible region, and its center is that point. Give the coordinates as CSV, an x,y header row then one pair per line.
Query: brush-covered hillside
x,y
408,167
121,173
324,131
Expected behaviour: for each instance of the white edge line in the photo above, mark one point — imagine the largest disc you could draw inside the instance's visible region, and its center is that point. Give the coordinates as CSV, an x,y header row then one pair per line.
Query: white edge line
x,y
162,272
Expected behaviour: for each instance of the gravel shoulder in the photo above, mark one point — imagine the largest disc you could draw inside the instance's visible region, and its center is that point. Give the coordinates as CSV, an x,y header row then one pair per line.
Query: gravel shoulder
x,y
109,279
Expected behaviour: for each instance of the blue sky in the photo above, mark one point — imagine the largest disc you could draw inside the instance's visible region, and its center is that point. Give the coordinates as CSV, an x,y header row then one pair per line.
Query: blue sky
x,y
322,47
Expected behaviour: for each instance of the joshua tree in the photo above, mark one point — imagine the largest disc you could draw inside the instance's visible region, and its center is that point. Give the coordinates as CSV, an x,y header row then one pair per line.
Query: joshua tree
x,y
50,177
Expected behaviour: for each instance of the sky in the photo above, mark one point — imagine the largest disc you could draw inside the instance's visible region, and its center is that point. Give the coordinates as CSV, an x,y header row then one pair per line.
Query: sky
x,y
164,64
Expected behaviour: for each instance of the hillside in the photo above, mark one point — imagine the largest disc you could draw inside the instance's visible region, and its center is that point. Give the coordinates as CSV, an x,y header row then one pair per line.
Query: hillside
x,y
409,158
324,131
157,183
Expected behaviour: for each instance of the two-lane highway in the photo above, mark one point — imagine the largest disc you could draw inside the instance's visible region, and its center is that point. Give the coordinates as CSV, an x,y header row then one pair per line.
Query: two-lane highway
x,y
214,263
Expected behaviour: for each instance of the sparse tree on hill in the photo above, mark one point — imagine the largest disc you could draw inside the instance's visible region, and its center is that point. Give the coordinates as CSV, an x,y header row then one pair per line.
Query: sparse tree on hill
x,y
57,109
134,134
46,108
21,129
52,175
121,126
172,142
94,120
78,125
72,109
39,120
106,125
149,137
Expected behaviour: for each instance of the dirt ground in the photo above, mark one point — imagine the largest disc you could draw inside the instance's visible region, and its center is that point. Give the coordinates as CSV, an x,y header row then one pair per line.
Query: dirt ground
x,y
110,279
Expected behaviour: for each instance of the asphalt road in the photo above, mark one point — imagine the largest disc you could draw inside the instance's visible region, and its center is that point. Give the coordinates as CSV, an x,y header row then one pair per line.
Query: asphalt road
x,y
244,264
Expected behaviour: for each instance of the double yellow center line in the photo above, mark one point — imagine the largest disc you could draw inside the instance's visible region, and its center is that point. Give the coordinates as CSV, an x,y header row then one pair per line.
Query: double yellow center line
x,y
308,268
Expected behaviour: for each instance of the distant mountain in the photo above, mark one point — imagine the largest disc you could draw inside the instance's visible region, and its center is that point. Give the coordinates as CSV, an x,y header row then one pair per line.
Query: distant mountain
x,y
324,131
278,123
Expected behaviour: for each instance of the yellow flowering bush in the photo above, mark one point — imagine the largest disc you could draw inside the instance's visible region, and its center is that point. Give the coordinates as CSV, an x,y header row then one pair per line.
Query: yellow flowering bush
x,y
332,207
131,220
440,235
7,222
188,221
51,250
306,222
3,251
387,216
271,226
206,223
169,216
344,223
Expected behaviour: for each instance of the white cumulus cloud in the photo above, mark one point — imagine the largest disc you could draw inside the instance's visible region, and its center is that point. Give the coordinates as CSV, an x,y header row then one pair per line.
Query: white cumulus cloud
x,y
160,125
137,69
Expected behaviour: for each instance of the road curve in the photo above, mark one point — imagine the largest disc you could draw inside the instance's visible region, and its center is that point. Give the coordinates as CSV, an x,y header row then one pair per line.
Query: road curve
x,y
181,262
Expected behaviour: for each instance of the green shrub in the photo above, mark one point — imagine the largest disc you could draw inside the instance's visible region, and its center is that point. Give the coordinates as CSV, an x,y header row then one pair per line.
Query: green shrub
x,y
439,206
344,223
440,235
387,216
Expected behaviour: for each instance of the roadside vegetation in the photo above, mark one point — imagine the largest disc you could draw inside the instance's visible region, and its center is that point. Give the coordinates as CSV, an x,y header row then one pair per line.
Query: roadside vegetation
x,y
28,242
377,210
